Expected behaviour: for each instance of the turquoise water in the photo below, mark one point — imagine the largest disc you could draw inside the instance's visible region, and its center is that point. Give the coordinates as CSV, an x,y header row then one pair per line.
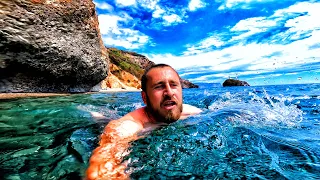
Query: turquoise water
x,y
269,132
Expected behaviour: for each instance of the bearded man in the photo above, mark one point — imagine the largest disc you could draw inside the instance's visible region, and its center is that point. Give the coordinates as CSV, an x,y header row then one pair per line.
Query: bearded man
x,y
162,94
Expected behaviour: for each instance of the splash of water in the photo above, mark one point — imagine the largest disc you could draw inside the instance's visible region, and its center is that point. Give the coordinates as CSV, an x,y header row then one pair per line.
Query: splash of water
x,y
249,108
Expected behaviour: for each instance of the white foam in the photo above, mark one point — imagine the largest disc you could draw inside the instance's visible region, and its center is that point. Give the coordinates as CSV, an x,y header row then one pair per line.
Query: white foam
x,y
258,111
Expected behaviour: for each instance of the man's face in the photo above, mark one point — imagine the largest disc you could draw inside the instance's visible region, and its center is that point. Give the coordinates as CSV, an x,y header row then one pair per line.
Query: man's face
x,y
163,94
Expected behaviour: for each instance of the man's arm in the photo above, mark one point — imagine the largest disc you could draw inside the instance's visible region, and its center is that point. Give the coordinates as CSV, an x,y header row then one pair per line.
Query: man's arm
x,y
105,162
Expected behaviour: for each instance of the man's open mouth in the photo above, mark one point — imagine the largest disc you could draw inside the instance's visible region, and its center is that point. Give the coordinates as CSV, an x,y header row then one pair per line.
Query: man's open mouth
x,y
168,105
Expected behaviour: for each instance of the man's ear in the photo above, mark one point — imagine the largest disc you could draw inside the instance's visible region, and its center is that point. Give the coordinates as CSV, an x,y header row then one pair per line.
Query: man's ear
x,y
144,97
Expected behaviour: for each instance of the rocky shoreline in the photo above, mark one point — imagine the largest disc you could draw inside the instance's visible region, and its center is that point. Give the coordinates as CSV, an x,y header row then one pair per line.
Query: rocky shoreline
x,y
24,95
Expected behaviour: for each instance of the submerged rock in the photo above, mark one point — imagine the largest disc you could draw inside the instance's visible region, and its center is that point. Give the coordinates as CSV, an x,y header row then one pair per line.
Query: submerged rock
x,y
50,46
234,82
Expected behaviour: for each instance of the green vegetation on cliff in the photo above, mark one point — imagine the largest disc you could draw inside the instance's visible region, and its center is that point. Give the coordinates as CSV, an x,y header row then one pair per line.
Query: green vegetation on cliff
x,y
121,59
134,64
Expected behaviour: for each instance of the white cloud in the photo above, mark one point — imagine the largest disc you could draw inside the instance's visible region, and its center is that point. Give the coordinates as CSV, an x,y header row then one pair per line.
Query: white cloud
x,y
168,16
310,21
108,23
253,26
294,73
119,42
114,35
246,28
149,4
196,4
103,5
126,2
171,19
130,40
203,45
243,4
158,12
301,26
311,8
220,77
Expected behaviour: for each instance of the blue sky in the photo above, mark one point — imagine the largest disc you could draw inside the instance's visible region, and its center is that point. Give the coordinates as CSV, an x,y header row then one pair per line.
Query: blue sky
x,y
263,42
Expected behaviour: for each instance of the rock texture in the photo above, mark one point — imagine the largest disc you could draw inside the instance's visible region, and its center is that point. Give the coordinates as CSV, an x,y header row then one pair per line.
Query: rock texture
x,y
50,46
234,82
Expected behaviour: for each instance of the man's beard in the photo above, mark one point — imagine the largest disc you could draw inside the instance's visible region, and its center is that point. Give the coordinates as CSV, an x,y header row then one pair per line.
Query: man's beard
x,y
169,117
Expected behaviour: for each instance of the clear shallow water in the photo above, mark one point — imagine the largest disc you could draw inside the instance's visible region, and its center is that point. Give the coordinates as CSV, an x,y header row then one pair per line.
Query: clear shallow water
x,y
270,132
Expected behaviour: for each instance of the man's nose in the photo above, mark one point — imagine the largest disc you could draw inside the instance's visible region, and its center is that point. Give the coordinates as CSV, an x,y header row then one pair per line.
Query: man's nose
x,y
169,91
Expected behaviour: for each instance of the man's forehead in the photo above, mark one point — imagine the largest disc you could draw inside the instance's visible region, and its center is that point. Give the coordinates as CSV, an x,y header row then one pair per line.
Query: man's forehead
x,y
155,72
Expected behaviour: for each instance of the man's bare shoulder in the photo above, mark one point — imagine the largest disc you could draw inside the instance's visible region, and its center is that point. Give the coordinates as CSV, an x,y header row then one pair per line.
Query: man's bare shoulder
x,y
127,125
189,109
137,115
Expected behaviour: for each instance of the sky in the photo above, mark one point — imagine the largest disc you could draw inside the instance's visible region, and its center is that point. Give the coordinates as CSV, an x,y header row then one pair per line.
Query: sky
x,y
263,42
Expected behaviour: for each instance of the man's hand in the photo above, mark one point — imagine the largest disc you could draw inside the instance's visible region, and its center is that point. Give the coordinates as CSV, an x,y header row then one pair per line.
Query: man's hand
x,y
104,165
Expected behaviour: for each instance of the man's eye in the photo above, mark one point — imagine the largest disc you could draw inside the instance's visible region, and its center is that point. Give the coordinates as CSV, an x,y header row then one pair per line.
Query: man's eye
x,y
158,87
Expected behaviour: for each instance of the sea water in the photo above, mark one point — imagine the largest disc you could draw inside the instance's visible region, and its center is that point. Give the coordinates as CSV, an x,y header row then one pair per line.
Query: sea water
x,y
258,132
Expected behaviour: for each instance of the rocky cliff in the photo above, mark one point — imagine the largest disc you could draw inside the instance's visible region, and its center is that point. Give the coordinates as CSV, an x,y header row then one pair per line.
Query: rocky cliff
x,y
50,46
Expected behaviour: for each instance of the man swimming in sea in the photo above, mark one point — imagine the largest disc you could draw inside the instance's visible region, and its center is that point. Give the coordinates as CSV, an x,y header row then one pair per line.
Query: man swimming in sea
x,y
162,94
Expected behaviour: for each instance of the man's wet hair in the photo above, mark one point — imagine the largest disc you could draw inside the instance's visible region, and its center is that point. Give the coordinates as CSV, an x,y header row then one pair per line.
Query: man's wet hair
x,y
144,77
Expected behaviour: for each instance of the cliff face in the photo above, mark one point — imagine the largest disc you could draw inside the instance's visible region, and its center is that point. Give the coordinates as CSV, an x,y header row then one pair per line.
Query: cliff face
x,y
126,69
50,46
119,78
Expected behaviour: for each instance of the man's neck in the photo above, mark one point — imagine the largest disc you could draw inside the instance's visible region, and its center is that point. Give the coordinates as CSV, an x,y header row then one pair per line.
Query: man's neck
x,y
150,118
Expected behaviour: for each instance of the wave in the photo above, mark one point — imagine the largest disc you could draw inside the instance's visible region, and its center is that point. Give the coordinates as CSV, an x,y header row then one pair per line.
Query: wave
x,y
252,108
